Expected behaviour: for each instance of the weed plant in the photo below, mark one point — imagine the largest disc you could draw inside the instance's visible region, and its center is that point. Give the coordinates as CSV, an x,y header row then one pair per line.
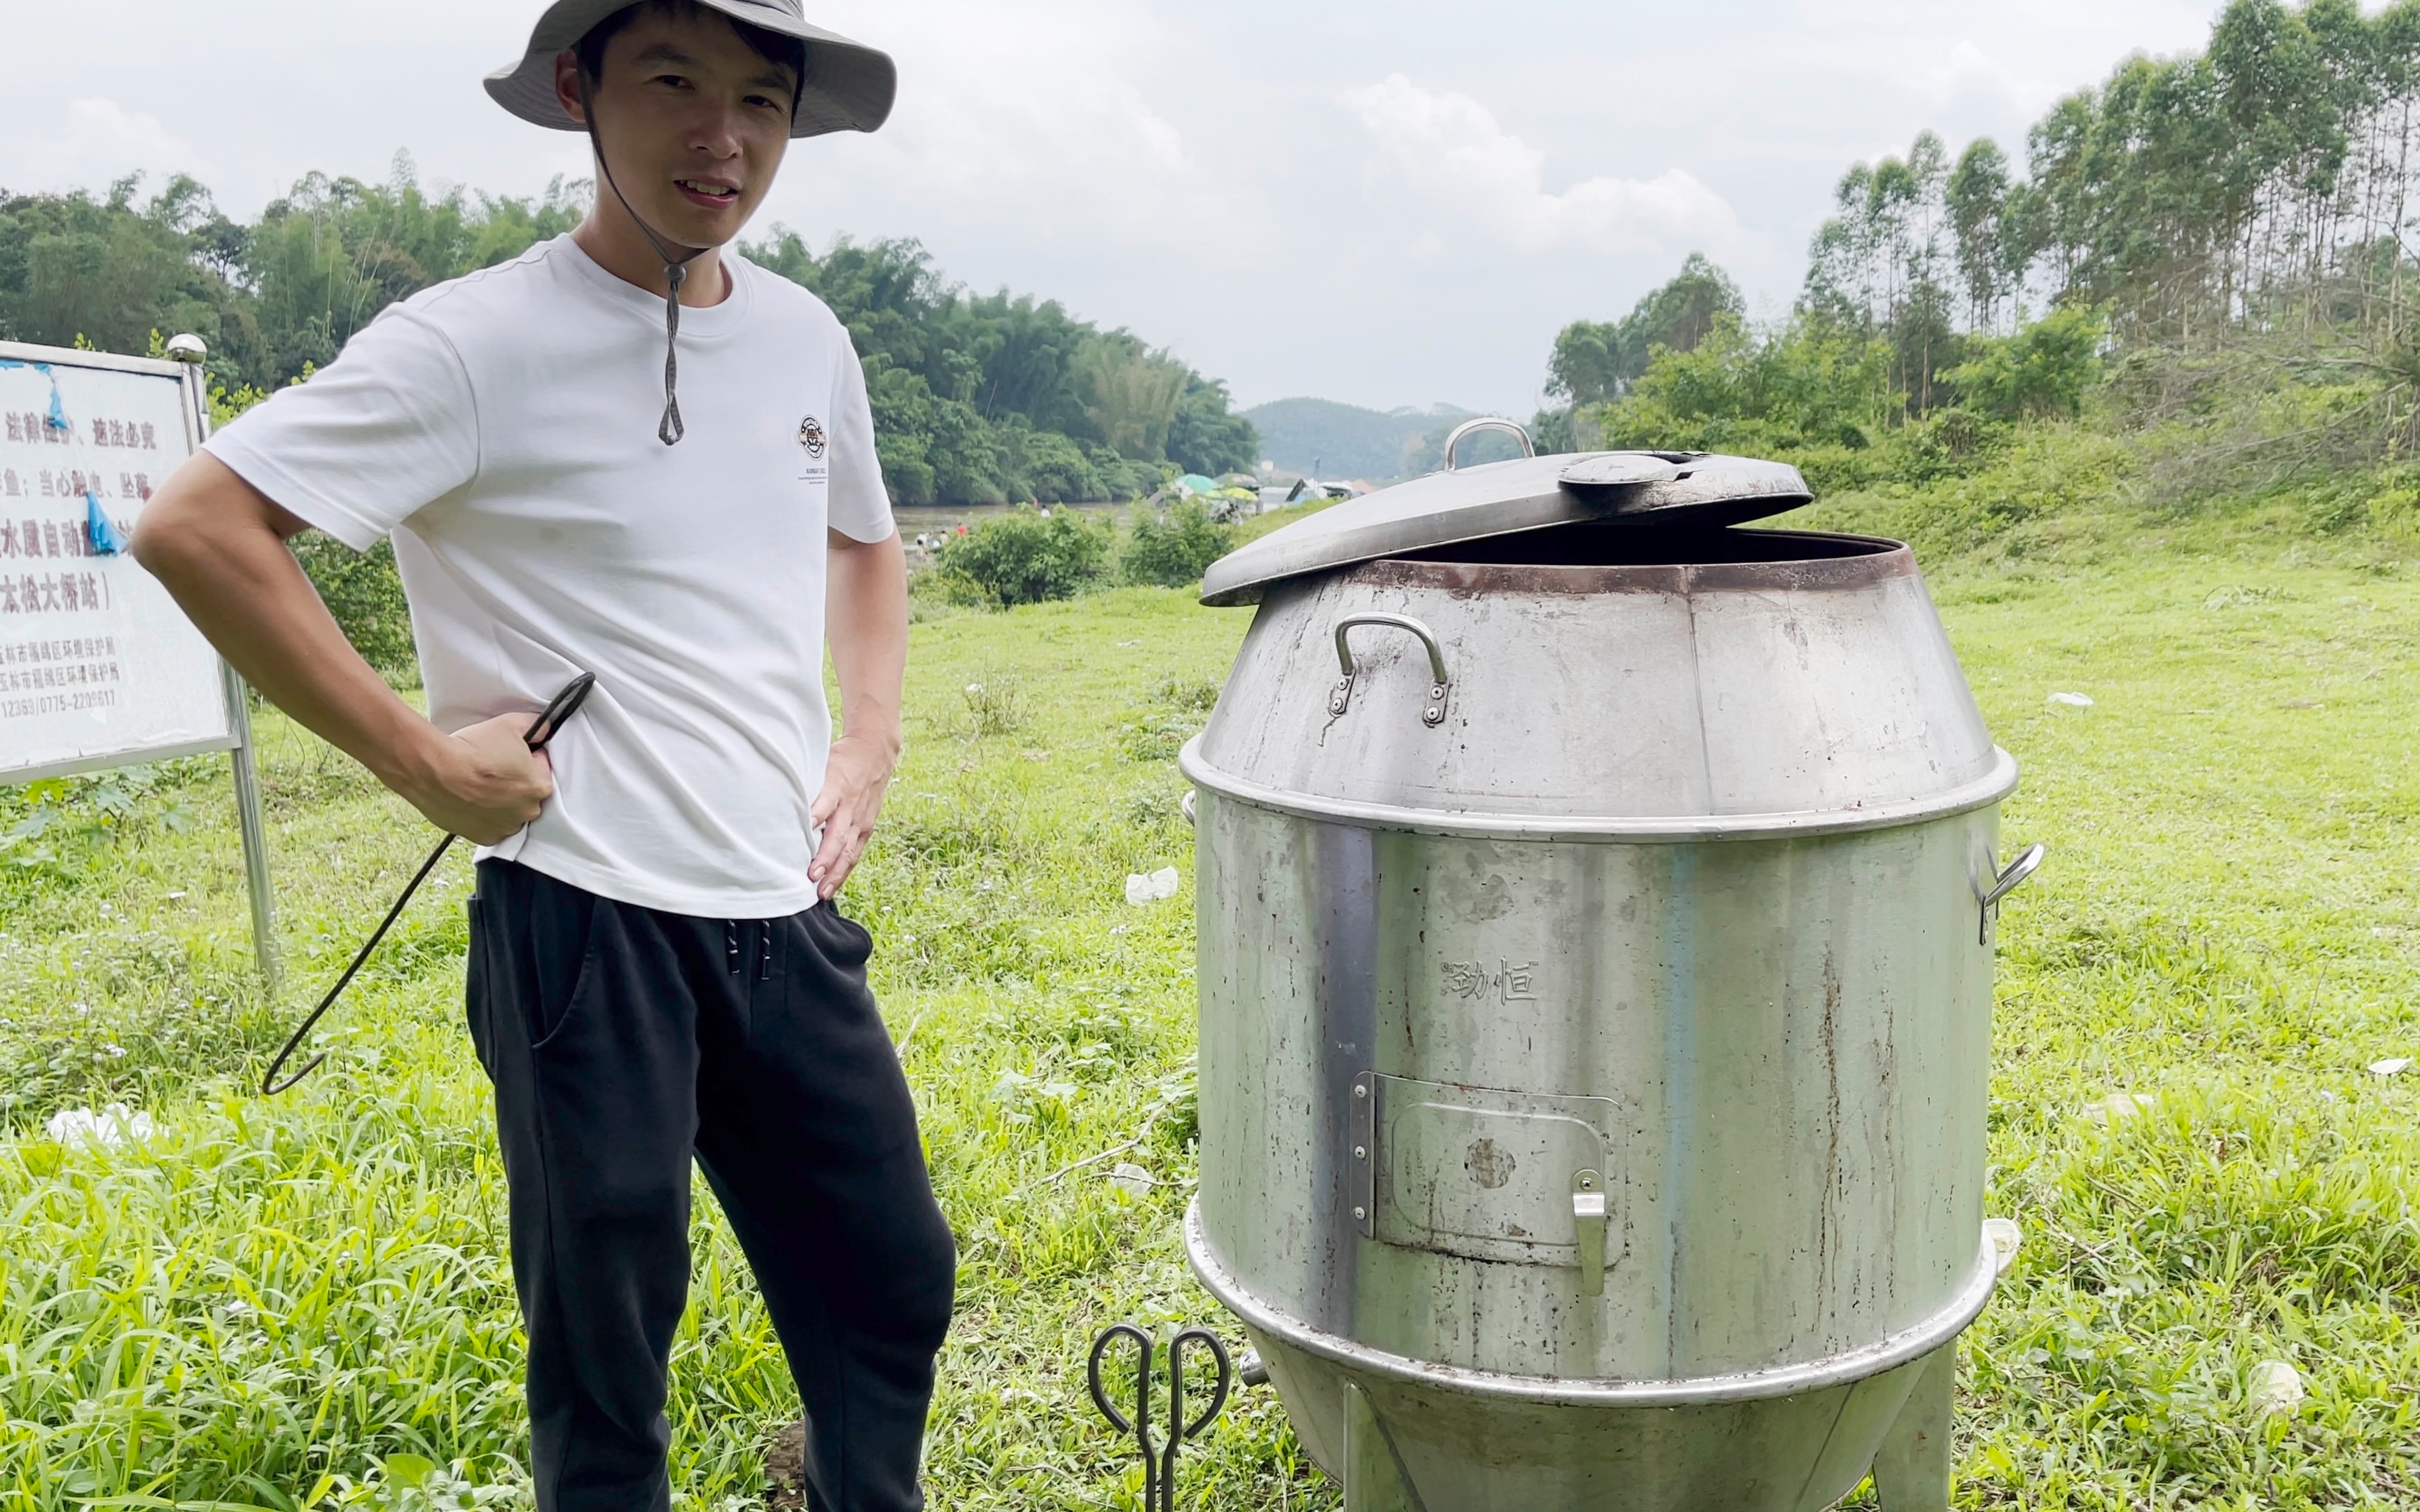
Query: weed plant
x,y
305,1301
1173,550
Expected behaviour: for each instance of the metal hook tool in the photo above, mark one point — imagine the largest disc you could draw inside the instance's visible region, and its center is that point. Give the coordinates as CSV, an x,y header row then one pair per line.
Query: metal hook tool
x,y
550,722
1158,1462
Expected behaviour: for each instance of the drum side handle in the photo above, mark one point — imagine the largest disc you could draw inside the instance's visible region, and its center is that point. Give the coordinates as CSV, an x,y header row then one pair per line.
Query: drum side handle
x,y
2004,883
1340,698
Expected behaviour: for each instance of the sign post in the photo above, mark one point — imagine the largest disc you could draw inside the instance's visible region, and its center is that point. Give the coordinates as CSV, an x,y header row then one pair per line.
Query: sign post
x,y
256,834
99,667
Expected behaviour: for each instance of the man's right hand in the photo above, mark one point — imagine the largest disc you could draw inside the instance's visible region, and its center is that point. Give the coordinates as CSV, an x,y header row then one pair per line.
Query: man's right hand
x,y
482,784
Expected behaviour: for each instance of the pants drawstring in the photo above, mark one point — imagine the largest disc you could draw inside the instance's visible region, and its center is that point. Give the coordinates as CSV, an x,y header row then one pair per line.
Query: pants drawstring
x,y
733,932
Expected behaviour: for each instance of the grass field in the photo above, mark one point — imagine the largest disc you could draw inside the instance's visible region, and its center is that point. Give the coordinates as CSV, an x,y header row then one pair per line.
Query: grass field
x,y
305,1301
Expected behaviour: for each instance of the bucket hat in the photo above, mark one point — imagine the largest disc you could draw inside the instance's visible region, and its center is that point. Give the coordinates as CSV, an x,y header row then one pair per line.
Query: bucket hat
x,y
848,86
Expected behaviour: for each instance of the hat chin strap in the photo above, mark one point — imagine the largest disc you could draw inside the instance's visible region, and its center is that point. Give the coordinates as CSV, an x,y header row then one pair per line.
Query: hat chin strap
x,y
670,429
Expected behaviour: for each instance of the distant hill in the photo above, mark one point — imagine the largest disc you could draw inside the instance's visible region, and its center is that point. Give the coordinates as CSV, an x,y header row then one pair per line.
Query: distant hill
x,y
1343,440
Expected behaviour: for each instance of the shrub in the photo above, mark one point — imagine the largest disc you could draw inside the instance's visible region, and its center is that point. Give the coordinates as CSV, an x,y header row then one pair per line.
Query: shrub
x,y
60,825
940,586
1807,385
2041,372
2045,477
1024,557
364,592
1172,551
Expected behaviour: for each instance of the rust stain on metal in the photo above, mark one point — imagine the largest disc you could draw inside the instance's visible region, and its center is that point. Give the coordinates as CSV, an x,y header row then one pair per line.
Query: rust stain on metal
x,y
1833,1186
1831,561
1489,1164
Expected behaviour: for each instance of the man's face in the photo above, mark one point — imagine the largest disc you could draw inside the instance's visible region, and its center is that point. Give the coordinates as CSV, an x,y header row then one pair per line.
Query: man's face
x,y
693,122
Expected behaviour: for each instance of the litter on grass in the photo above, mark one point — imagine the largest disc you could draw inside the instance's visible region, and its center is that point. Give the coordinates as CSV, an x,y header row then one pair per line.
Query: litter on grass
x,y
2273,1387
1131,1178
2006,1238
1150,889
2120,1106
109,1128
2393,1067
2072,700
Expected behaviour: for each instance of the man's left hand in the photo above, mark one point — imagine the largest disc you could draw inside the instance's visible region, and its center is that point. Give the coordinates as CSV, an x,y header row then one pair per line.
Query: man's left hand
x,y
854,781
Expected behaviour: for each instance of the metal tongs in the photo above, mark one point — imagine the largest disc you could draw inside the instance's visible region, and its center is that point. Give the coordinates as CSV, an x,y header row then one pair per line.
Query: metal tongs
x,y
550,722
1158,1462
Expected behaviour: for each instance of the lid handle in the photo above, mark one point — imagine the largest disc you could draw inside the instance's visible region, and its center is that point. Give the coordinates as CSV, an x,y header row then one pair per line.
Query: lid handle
x,y
1472,427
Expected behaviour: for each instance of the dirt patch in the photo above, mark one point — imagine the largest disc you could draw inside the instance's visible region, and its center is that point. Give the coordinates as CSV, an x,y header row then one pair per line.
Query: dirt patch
x,y
785,1468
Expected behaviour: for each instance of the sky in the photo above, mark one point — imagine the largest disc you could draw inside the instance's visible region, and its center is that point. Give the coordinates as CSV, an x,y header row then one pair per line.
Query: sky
x,y
1388,205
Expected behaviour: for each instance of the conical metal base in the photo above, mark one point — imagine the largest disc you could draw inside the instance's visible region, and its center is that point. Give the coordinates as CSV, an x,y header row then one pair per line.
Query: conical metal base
x,y
1398,1448
1375,1479
1407,1436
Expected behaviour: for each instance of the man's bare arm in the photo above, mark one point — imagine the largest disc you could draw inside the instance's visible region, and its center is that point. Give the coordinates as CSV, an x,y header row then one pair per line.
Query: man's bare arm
x,y
219,546
866,623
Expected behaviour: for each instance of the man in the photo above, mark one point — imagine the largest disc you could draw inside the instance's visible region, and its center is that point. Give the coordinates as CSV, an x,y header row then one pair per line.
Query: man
x,y
633,454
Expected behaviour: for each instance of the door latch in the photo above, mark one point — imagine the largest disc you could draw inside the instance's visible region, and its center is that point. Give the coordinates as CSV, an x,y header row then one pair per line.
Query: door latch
x,y
1588,1220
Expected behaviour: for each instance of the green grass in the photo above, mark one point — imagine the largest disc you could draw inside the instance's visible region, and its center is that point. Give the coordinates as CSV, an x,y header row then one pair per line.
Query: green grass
x,y
2229,922
270,1300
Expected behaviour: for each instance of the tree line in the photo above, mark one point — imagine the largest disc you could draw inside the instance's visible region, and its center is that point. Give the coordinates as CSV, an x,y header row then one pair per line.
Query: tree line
x,y
977,398
2193,226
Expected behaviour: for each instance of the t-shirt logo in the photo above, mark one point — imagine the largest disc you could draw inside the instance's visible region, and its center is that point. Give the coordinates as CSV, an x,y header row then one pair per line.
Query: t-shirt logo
x,y
810,436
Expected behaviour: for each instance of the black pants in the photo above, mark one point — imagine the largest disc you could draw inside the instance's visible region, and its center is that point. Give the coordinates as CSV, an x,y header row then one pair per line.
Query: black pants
x,y
622,1040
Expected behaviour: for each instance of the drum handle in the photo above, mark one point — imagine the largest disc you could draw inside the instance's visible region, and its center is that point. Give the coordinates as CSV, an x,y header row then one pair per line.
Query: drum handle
x,y
1340,698
2004,883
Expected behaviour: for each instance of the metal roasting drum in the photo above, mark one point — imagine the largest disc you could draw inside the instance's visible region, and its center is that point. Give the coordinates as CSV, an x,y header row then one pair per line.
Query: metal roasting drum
x,y
1595,914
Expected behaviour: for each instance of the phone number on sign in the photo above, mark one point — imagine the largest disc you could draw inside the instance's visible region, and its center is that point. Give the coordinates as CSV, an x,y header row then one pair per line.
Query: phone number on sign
x,y
58,703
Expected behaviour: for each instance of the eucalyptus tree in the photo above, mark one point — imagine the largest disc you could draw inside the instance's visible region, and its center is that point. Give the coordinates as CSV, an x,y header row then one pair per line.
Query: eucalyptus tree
x,y
1975,197
1878,265
2245,209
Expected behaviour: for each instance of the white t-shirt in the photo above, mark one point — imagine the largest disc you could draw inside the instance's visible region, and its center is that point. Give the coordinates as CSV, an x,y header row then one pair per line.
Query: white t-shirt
x,y
502,427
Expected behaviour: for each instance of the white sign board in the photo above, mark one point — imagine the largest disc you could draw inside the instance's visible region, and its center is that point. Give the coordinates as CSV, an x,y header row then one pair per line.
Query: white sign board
x,y
97,666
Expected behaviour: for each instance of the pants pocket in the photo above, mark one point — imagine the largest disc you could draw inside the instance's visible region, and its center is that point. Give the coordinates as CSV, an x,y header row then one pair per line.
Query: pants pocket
x,y
566,961
844,942
533,942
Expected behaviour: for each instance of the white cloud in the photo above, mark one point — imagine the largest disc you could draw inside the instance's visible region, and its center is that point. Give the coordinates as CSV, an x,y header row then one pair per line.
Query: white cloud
x,y
1453,148
1969,70
104,140
1048,116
